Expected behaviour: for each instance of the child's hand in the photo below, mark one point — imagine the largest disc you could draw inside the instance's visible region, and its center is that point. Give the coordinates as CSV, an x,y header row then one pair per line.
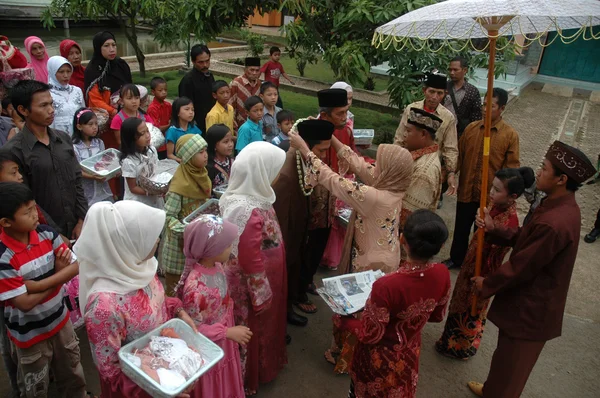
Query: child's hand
x,y
184,316
239,334
31,286
99,178
63,259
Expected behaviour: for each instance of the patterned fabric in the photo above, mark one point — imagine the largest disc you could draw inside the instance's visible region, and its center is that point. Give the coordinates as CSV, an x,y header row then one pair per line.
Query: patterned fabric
x,y
377,211
468,100
207,301
241,90
177,208
20,263
386,357
257,281
95,191
463,331
113,320
425,185
219,177
504,153
219,115
446,136
273,71
65,102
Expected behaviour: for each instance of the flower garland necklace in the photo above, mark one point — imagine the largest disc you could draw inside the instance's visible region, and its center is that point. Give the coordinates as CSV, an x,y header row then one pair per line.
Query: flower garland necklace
x,y
301,174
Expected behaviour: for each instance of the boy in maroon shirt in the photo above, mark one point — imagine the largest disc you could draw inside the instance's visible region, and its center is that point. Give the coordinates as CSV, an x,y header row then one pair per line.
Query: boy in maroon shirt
x,y
273,70
160,110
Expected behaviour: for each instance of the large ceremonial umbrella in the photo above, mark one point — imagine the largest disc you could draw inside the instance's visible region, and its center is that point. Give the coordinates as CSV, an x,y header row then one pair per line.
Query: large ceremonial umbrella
x,y
455,23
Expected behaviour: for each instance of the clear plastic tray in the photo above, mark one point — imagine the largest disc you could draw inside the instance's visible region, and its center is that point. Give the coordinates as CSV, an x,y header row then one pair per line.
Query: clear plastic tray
x,y
363,136
110,168
211,206
211,353
220,190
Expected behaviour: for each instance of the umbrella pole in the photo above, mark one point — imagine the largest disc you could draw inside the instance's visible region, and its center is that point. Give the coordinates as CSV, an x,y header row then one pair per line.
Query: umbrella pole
x,y
492,34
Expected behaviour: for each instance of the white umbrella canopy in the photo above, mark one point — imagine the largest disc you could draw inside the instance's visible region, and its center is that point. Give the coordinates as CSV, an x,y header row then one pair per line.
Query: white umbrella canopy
x,y
471,19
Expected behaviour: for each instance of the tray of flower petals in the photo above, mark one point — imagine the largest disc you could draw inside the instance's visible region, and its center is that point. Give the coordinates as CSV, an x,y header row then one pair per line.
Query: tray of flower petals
x,y
104,164
211,206
169,359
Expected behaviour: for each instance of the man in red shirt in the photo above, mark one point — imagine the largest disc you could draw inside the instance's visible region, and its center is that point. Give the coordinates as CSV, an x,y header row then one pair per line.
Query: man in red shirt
x,y
160,110
273,70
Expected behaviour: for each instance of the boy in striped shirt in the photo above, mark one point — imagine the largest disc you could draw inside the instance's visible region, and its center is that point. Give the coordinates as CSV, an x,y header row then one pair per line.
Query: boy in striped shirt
x,y
34,265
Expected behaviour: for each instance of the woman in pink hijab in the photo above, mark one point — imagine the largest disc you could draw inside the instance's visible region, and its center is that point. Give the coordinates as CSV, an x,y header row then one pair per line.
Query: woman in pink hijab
x,y
38,56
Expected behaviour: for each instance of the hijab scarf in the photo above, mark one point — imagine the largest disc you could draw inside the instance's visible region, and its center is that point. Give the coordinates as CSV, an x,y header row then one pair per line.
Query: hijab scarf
x,y
115,241
107,74
395,166
249,187
190,181
54,64
207,236
39,67
78,76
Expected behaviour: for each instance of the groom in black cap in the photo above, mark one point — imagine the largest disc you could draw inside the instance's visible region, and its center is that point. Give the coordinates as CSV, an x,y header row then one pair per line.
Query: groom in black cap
x,y
244,87
293,209
446,137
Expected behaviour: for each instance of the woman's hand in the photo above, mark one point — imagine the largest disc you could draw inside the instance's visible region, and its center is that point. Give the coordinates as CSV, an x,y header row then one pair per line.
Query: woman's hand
x,y
184,316
239,334
299,144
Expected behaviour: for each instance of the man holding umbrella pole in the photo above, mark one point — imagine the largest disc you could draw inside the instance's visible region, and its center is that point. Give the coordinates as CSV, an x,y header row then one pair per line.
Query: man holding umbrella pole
x,y
531,288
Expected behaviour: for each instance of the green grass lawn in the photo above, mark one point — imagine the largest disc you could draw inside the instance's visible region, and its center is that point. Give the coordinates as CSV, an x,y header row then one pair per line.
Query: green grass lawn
x,y
321,71
302,105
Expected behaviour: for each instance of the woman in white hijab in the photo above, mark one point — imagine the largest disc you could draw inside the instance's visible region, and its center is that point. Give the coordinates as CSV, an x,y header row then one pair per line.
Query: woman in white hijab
x,y
348,88
120,295
67,98
257,276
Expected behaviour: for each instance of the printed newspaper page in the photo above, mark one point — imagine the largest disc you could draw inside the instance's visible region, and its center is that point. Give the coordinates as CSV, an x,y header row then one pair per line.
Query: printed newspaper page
x,y
347,294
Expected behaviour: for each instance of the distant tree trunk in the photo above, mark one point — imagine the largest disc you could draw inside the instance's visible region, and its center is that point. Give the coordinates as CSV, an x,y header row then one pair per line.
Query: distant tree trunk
x,y
132,38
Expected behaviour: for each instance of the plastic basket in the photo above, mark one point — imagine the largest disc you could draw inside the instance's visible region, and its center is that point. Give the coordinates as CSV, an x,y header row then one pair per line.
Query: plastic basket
x,y
211,206
220,190
154,187
110,164
363,136
211,353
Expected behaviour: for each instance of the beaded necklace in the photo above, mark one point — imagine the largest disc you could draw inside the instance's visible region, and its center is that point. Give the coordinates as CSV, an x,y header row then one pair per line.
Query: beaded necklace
x,y
301,173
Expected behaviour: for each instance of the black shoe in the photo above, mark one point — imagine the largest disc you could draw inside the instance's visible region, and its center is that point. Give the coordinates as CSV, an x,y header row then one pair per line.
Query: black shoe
x,y
450,264
288,339
296,319
592,236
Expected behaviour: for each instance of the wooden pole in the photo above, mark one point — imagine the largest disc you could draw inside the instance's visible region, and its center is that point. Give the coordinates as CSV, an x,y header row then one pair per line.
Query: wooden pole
x,y
493,34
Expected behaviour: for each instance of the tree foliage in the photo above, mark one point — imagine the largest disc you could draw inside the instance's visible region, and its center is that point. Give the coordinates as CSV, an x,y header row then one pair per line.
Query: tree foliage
x,y
173,20
342,31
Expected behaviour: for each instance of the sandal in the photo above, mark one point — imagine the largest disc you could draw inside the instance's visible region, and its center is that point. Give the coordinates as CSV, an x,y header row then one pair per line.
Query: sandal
x,y
330,356
312,289
302,306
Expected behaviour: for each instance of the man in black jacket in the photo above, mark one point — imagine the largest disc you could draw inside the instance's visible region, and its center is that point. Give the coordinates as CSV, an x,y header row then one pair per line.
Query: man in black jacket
x,y
197,84
463,98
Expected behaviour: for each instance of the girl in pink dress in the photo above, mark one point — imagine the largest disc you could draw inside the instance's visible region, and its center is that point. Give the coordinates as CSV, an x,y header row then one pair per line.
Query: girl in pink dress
x,y
257,276
203,290
119,292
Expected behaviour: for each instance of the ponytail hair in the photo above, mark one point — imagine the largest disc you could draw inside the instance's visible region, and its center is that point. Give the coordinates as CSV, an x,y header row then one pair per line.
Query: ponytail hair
x,y
425,233
516,180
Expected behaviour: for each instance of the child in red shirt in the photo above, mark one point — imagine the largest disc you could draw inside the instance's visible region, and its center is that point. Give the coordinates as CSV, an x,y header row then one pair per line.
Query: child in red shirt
x,y
160,110
273,70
